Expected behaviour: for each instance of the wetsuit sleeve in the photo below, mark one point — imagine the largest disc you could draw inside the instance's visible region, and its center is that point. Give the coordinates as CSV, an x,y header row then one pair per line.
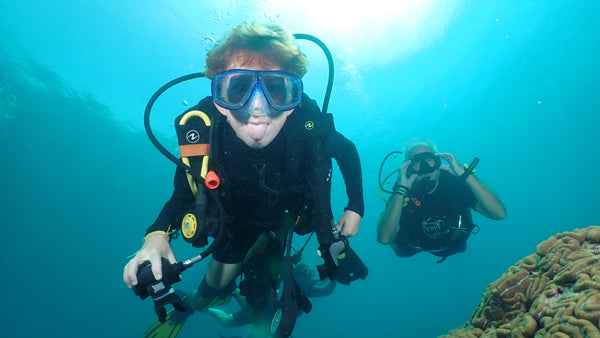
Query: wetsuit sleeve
x,y
181,199
345,153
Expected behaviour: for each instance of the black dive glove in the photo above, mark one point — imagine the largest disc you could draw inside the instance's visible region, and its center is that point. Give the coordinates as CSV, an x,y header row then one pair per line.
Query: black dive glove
x,y
161,291
341,264
331,256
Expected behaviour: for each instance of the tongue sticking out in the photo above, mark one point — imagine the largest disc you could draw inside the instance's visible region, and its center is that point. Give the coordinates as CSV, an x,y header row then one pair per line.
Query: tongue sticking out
x,y
257,131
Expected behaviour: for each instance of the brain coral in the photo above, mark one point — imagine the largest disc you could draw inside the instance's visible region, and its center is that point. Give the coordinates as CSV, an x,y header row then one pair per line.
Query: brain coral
x,y
554,292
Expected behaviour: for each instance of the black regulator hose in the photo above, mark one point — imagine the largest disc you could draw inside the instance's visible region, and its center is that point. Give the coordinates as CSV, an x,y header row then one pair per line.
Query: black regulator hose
x,y
329,62
148,128
179,162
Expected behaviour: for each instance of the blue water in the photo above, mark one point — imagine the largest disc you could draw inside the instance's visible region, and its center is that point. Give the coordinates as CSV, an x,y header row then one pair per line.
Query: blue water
x,y
512,82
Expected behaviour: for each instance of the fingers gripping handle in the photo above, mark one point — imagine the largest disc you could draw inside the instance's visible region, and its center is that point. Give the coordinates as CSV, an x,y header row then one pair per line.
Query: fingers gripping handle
x,y
161,291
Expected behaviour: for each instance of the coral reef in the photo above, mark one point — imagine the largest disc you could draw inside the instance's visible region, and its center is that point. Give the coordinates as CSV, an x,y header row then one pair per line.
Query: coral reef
x,y
554,292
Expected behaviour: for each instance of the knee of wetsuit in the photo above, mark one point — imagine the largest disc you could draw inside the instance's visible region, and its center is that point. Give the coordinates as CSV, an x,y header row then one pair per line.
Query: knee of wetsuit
x,y
207,296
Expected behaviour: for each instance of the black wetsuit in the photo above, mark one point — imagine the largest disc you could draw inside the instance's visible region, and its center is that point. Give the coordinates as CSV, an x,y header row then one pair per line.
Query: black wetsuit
x,y
430,222
311,288
254,182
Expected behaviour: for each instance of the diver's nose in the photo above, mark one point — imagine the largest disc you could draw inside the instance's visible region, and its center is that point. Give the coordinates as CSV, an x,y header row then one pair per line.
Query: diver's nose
x,y
258,103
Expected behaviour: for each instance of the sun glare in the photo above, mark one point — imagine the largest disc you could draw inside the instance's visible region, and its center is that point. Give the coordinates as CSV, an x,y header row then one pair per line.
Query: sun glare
x,y
370,31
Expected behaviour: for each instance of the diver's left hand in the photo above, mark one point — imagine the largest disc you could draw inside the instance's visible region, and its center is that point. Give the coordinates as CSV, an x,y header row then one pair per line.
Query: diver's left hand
x,y
349,223
454,166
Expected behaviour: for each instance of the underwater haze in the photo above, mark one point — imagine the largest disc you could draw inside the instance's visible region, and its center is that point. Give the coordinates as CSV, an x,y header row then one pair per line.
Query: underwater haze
x,y
512,82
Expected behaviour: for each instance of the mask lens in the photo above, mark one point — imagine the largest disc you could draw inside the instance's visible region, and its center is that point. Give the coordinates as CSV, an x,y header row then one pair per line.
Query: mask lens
x,y
424,163
240,86
232,89
415,167
284,91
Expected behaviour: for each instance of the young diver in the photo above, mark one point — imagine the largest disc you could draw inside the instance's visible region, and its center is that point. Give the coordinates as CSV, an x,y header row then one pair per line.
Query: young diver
x,y
273,168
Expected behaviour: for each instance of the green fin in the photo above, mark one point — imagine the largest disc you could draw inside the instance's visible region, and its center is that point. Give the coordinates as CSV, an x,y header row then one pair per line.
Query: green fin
x,y
171,326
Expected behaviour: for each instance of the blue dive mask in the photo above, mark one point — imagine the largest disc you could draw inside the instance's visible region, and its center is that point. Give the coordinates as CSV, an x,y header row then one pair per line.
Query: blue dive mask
x,y
235,88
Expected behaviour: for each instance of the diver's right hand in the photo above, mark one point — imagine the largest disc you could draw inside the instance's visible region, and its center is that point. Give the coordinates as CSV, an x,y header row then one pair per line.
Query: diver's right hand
x,y
155,247
403,178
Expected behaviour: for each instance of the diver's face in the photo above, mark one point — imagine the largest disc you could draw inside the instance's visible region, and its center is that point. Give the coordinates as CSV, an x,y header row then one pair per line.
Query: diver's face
x,y
426,183
260,129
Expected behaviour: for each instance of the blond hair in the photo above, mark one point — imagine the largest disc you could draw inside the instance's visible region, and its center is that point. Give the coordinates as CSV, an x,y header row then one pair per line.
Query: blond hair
x,y
271,42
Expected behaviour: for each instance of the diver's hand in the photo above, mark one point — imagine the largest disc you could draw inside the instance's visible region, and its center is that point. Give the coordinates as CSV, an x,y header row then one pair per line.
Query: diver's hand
x,y
454,166
403,180
155,247
349,223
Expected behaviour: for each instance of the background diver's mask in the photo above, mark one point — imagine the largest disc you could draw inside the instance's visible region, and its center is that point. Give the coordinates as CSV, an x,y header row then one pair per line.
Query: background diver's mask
x,y
236,88
423,163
